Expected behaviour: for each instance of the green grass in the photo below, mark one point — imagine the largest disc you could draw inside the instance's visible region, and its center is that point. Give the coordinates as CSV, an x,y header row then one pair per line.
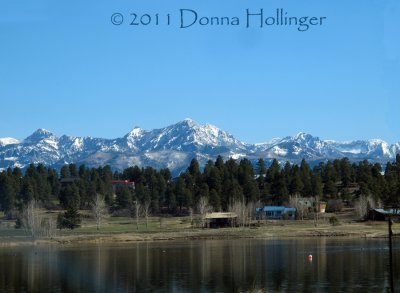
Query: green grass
x,y
118,225
7,228
109,225
180,227
6,232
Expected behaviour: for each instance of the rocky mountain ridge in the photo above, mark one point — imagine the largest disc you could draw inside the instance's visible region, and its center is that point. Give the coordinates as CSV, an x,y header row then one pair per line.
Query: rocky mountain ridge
x,y
175,145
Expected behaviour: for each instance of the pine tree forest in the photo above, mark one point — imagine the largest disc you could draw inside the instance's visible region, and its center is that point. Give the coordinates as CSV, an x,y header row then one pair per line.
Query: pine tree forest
x,y
221,182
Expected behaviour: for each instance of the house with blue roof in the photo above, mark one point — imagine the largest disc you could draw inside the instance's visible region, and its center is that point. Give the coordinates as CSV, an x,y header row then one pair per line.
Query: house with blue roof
x,y
275,213
383,215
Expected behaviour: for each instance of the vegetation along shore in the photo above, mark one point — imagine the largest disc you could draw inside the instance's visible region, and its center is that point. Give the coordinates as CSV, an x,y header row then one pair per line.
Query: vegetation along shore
x,y
81,204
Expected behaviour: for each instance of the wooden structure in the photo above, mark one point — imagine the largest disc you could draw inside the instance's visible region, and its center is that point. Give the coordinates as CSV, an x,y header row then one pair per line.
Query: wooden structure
x,y
218,220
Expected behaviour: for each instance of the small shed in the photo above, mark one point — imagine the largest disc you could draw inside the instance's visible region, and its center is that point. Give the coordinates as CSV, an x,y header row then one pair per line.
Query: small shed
x,y
275,213
218,220
322,207
383,215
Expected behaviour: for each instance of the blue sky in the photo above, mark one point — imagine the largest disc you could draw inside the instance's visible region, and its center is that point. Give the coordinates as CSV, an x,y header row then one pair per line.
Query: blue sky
x,y
66,68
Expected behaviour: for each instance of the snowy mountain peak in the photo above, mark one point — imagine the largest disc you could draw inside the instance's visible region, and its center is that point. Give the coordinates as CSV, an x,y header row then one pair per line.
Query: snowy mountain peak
x,y
42,131
302,136
39,135
377,141
175,145
8,140
133,138
202,135
136,132
189,121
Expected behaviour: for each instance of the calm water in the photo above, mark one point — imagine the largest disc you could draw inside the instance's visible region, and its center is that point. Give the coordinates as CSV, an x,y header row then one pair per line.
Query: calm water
x,y
202,266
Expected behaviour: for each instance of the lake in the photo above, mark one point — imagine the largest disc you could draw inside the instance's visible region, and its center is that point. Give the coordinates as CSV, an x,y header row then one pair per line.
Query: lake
x,y
338,265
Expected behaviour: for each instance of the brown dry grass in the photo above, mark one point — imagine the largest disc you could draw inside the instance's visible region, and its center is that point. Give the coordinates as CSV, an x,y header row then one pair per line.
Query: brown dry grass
x,y
122,230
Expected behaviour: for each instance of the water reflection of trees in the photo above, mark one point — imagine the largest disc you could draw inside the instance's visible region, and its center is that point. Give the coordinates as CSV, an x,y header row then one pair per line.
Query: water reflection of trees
x,y
200,266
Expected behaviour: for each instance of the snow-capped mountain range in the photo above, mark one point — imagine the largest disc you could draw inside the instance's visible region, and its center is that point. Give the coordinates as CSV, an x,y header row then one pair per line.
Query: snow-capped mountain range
x,y
174,146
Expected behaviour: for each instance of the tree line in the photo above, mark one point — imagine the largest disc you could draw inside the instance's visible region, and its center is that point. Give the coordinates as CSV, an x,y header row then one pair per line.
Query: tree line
x,y
221,182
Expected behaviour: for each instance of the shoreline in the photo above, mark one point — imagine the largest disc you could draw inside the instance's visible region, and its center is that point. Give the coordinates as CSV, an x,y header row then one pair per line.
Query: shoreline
x,y
269,231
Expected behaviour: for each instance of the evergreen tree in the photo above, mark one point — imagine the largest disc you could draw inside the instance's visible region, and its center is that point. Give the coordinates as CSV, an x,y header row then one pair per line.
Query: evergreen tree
x,y
194,169
287,173
180,191
279,189
392,178
133,174
64,172
273,171
377,185
162,190
124,196
71,218
166,174
245,172
305,175
54,182
316,185
204,191
251,191
214,180
73,172
261,169
330,189
7,193
296,185
219,163
27,191
329,173
232,168
171,201
215,200
345,171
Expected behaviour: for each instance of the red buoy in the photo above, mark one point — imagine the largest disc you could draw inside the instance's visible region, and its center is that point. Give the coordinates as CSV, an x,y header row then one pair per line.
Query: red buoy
x,y
309,257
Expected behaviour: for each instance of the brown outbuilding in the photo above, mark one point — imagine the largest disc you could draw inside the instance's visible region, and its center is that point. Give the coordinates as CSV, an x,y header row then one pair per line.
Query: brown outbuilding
x,y
218,220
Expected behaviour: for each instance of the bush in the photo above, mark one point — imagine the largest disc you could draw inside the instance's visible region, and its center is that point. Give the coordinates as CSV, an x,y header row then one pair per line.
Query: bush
x,y
18,223
334,221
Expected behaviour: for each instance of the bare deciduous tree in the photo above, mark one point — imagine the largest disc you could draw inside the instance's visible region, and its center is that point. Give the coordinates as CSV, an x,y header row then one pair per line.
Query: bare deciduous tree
x,y
239,208
49,227
191,216
146,211
99,209
31,219
137,208
363,204
35,223
251,211
203,208
301,209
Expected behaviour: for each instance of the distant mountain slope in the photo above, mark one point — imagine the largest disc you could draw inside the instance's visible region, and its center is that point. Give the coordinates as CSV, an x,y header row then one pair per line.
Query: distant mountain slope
x,y
175,145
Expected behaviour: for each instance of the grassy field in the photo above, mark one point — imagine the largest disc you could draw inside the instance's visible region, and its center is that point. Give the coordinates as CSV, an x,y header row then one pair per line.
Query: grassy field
x,y
123,229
